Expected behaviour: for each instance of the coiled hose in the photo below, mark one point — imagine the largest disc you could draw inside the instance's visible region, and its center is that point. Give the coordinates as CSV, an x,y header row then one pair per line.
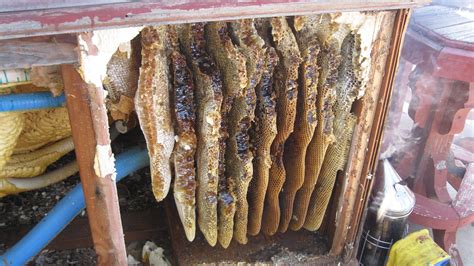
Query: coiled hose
x,y
65,211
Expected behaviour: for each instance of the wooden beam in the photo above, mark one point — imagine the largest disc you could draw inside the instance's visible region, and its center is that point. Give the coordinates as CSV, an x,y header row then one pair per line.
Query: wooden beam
x,y
340,218
138,226
360,191
89,124
291,247
371,111
137,13
27,53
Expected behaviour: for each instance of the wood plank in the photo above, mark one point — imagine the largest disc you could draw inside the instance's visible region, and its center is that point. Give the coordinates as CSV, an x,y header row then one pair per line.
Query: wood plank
x,y
434,17
79,19
90,132
465,36
21,5
142,225
434,213
29,53
462,153
445,25
452,32
469,39
464,201
370,151
301,247
348,211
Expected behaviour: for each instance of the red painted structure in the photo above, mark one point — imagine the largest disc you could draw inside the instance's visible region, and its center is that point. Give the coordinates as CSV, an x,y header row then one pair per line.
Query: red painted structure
x,y
36,18
32,18
438,65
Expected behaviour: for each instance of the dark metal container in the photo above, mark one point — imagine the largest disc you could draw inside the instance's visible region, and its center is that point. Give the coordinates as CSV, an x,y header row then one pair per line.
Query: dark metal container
x,y
391,204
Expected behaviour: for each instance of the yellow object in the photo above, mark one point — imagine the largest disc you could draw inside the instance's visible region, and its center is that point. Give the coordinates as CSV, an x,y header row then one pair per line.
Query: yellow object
x,y
12,125
42,127
16,185
30,141
417,249
34,163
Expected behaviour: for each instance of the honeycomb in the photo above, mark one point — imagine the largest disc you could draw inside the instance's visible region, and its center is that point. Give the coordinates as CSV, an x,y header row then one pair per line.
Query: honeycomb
x,y
120,82
286,87
12,126
263,133
305,124
347,87
31,164
232,63
34,139
184,117
239,158
152,104
322,27
260,110
208,86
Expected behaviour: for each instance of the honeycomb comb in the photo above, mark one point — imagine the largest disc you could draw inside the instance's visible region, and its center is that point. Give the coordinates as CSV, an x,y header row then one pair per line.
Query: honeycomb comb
x,y
286,88
152,105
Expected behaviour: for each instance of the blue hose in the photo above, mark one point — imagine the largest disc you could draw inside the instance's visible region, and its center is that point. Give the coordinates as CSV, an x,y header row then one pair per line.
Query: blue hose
x,y
30,101
65,211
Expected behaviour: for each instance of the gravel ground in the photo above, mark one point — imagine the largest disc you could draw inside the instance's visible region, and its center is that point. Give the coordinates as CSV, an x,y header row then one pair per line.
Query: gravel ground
x,y
29,208
78,256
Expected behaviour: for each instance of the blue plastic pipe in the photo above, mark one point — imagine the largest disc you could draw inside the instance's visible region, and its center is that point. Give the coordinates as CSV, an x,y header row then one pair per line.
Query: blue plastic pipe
x,y
30,101
65,211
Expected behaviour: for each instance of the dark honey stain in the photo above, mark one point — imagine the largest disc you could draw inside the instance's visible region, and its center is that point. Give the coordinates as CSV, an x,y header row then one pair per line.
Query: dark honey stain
x,y
204,62
183,93
266,85
242,139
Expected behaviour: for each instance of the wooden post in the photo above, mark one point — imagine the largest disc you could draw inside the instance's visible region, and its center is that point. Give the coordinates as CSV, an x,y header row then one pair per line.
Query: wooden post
x,y
360,188
89,124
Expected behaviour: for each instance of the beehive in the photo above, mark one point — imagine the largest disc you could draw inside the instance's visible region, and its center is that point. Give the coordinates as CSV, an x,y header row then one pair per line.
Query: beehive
x,y
291,89
277,117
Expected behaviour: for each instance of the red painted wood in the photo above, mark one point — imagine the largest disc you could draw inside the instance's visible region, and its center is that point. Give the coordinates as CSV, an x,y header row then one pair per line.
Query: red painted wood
x,y
444,69
444,25
137,13
464,202
446,123
445,219
22,5
455,64
89,126
434,214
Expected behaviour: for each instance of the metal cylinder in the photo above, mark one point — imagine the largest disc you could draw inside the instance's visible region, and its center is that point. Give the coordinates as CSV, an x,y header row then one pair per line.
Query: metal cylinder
x,y
390,205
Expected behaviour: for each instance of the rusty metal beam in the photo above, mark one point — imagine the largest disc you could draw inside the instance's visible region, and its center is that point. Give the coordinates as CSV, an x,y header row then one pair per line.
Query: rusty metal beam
x,y
89,124
78,19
